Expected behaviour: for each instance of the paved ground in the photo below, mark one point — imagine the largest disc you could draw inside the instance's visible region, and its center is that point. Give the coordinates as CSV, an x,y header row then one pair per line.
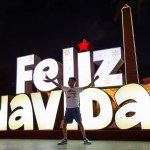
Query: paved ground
x,y
36,144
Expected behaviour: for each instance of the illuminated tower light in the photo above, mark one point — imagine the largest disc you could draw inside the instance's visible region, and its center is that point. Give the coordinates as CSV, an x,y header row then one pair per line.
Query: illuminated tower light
x,y
131,69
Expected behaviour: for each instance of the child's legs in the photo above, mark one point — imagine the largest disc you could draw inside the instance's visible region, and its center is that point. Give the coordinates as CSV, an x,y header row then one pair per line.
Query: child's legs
x,y
68,118
65,130
82,129
78,118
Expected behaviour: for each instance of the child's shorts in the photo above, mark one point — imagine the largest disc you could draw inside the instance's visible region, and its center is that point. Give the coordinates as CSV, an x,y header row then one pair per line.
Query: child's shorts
x,y
72,113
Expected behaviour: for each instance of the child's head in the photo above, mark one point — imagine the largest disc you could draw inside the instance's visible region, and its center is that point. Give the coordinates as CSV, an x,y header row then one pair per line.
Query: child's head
x,y
72,81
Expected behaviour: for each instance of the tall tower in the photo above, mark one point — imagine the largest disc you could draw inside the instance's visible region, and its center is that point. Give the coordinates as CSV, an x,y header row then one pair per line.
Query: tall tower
x,y
131,68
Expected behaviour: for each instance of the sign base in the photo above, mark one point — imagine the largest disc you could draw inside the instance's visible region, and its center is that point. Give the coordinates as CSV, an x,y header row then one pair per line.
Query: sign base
x,y
130,135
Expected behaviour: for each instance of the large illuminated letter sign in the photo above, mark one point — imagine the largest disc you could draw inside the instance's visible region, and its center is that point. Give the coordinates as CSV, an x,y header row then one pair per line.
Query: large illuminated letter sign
x,y
46,116
110,61
140,108
49,67
25,67
22,114
3,112
86,105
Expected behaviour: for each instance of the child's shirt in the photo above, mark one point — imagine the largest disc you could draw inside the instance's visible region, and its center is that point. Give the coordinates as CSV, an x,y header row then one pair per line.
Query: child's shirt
x,y
72,96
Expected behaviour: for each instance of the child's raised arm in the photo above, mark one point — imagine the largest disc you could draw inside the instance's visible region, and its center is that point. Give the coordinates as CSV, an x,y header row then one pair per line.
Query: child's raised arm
x,y
51,80
88,86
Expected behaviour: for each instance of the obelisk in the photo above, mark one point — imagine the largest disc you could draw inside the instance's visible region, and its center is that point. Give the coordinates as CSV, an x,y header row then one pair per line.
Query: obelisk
x,y
131,68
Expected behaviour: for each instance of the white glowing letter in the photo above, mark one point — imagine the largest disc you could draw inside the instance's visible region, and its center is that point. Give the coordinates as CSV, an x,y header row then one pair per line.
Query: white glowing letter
x,y
140,108
85,68
46,116
25,66
3,112
110,61
22,114
69,64
86,105
52,69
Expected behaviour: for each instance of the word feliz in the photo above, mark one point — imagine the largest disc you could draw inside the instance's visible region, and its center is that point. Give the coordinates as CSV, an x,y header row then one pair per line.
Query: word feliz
x,y
81,65
24,107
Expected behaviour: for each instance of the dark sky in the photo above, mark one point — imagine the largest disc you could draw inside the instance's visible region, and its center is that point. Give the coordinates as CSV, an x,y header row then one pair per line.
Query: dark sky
x,y
45,27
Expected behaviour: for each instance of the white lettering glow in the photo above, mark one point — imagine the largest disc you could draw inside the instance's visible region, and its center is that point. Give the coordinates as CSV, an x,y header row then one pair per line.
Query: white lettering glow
x,y
69,64
80,65
134,97
3,112
22,114
25,66
49,67
46,116
106,112
141,107
85,68
109,61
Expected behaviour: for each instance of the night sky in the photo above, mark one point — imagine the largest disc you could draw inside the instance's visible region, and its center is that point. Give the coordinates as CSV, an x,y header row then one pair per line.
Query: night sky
x,y
45,28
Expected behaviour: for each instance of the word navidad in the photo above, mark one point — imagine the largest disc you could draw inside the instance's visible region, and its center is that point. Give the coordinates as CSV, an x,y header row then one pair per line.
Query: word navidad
x,y
25,108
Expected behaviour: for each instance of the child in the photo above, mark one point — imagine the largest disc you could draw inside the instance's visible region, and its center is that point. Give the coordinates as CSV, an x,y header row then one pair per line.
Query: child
x,y
73,107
